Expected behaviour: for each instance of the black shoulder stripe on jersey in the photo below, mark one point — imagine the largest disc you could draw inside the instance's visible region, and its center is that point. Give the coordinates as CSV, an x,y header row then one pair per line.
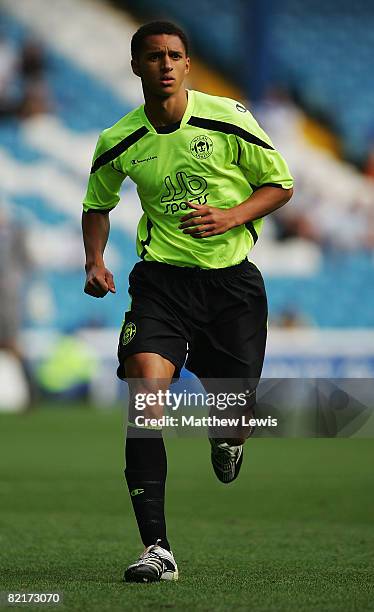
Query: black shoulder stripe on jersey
x,y
255,187
228,128
119,148
239,152
146,242
250,227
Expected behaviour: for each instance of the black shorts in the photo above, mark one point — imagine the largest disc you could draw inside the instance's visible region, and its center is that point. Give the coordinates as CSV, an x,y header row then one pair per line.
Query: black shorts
x,y
217,318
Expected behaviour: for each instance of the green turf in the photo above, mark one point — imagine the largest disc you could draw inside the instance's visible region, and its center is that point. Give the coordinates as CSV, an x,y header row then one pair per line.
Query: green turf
x,y
294,532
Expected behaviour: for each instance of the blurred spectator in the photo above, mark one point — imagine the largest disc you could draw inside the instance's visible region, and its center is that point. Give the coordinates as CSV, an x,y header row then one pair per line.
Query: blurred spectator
x,y
14,265
289,318
23,88
369,166
67,371
8,76
35,99
332,205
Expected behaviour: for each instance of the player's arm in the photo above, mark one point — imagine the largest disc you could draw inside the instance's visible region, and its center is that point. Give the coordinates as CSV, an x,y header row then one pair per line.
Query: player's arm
x,y
102,196
262,202
207,221
95,228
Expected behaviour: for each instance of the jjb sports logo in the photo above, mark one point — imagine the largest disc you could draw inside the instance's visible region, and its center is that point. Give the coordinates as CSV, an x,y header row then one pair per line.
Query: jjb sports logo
x,y
128,333
183,187
201,147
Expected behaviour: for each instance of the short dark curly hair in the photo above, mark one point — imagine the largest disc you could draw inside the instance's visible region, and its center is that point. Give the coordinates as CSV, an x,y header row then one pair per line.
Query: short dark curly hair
x,y
156,27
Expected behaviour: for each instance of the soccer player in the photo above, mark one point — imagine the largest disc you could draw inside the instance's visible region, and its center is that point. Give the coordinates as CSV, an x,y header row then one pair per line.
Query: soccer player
x,y
206,175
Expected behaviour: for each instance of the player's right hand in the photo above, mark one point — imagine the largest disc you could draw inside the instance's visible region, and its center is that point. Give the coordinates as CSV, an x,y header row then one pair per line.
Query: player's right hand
x,y
99,281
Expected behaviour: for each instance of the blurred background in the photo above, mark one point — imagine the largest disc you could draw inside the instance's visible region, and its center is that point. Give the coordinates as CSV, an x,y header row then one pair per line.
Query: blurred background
x,y
304,69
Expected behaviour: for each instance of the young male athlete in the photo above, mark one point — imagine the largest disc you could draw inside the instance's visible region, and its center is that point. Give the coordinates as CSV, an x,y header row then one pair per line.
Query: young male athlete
x,y
206,174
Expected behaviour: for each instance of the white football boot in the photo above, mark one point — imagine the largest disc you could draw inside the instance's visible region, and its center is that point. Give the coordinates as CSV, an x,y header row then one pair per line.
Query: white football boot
x,y
154,564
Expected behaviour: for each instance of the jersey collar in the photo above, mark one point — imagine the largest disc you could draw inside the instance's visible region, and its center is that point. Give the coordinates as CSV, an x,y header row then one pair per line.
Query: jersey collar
x,y
185,118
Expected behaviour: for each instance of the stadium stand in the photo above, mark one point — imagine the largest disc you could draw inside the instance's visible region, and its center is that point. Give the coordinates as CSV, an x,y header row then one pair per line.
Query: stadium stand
x,y
336,86
319,247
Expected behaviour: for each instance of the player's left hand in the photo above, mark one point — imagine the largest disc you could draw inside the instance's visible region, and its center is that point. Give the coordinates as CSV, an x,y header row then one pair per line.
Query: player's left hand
x,y
205,221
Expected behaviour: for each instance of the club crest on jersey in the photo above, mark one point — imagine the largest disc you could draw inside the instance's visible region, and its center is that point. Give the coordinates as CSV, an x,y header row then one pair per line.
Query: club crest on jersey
x,y
201,147
128,333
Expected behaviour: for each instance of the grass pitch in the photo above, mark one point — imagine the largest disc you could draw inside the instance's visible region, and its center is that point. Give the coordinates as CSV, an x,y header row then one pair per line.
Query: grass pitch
x,y
294,532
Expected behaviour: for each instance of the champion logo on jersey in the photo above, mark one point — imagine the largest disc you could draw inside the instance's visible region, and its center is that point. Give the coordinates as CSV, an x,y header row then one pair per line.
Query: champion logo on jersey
x,y
201,147
140,161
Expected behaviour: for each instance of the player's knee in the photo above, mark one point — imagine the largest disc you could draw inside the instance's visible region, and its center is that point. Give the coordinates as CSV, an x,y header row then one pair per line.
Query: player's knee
x,y
145,399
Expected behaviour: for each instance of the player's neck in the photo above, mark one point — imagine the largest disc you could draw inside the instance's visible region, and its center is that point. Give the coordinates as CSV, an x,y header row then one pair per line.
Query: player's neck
x,y
165,111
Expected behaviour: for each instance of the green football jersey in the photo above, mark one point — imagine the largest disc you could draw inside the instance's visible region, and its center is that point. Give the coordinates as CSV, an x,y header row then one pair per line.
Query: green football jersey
x,y
218,156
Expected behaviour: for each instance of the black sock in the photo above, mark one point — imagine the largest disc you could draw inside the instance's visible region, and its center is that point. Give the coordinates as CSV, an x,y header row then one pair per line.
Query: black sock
x,y
145,474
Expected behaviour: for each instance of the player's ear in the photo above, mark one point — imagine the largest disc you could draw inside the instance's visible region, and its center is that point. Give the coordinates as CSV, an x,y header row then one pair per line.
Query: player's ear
x,y
187,69
135,67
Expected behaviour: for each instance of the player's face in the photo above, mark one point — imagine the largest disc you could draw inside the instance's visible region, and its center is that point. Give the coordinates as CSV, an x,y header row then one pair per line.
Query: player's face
x,y
162,64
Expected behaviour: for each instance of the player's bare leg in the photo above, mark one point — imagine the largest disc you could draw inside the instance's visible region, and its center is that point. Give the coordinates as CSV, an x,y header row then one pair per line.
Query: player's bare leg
x,y
146,467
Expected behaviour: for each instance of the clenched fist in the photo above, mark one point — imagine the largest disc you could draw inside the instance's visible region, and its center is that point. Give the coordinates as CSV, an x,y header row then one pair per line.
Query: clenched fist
x,y
99,281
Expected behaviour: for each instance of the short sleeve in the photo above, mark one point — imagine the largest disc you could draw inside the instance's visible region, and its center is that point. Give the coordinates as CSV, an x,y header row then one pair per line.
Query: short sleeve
x,y
259,161
105,179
